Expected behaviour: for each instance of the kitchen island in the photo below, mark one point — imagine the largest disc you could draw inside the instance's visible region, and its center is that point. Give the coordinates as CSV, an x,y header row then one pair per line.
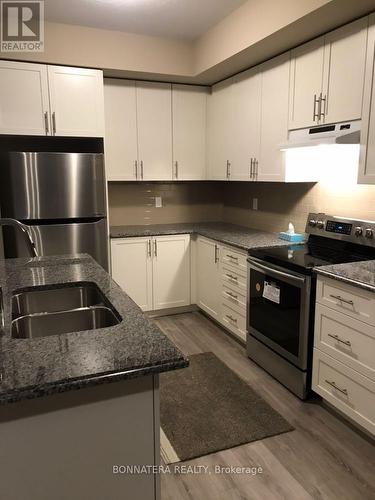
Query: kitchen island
x,y
74,406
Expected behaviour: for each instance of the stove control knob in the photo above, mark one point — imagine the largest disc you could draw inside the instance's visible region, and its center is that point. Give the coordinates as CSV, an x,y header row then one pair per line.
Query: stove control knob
x,y
320,224
369,233
358,231
312,222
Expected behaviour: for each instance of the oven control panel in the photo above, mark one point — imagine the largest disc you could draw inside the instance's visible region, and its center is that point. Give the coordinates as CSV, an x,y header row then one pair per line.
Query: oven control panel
x,y
351,230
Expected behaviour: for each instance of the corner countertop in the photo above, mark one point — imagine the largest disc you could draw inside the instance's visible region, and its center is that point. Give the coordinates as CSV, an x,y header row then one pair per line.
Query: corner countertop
x,y
30,368
359,274
231,234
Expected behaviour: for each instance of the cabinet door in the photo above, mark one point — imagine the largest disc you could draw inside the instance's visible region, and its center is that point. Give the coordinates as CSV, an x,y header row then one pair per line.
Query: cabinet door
x,y
366,172
219,134
244,130
274,119
189,132
171,271
24,106
154,111
208,277
121,150
344,70
132,269
306,83
76,99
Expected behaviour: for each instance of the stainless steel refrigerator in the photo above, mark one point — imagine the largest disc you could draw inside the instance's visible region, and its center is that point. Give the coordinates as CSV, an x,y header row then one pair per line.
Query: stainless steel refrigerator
x,y
60,197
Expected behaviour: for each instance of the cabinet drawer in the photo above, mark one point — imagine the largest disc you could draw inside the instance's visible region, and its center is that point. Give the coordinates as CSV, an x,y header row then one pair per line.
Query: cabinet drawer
x,y
350,341
353,301
234,321
234,259
234,299
346,389
234,279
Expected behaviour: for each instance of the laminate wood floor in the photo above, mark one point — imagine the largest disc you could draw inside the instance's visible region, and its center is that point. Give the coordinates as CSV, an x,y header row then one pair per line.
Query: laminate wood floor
x,y
323,458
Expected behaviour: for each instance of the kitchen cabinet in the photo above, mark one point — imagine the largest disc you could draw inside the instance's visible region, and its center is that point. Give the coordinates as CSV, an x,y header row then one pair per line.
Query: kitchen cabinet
x,y
154,113
219,134
327,77
155,271
36,99
121,141
76,101
366,171
24,104
344,342
189,107
132,268
208,277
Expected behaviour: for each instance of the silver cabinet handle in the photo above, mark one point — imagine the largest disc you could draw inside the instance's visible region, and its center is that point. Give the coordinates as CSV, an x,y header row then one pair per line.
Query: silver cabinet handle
x,y
54,123
341,299
322,100
136,168
232,257
315,114
149,248
234,320
251,167
232,295
256,164
335,386
155,248
176,167
231,277
228,169
216,254
46,125
142,170
336,337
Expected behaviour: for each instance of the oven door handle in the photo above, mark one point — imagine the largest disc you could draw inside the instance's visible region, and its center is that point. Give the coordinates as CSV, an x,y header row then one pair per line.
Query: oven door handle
x,y
280,274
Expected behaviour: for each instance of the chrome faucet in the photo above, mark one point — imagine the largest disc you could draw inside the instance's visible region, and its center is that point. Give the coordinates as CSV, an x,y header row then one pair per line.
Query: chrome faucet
x,y
21,227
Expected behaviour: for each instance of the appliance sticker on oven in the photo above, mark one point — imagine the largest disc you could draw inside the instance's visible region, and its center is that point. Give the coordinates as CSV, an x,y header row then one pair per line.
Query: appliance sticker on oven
x,y
271,292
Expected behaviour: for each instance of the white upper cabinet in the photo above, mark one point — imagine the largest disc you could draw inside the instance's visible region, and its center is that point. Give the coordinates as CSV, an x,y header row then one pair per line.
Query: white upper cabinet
x,y
243,127
306,84
154,111
327,77
189,106
121,148
76,101
24,105
367,149
219,135
274,120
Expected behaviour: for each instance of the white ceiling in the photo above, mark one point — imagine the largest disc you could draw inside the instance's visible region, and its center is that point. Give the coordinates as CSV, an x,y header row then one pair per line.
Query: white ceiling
x,y
187,19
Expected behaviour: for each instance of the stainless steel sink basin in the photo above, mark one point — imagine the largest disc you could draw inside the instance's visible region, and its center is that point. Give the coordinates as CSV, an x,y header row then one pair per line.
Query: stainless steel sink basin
x,y
56,299
47,324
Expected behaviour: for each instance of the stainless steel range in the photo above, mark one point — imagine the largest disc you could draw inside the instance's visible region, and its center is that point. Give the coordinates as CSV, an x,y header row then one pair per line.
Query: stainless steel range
x,y
281,296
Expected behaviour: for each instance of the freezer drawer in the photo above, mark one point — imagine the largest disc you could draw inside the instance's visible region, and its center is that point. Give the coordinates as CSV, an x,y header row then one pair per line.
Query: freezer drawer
x,y
52,185
60,239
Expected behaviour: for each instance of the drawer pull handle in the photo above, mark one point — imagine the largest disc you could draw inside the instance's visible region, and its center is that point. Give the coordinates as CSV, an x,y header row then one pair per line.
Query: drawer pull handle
x,y
336,337
231,318
230,276
341,299
335,386
232,257
232,296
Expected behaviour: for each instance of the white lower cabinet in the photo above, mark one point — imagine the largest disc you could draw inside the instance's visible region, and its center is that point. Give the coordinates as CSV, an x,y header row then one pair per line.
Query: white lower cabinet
x,y
154,272
344,349
208,277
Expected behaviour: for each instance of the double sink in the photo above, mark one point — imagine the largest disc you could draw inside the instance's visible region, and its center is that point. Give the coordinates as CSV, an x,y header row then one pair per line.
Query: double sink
x,y
41,312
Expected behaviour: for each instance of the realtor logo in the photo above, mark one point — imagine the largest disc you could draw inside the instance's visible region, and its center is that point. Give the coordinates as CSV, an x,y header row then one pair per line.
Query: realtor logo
x,y
22,26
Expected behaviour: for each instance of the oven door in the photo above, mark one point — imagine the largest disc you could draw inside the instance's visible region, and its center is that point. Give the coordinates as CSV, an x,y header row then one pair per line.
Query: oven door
x,y
279,310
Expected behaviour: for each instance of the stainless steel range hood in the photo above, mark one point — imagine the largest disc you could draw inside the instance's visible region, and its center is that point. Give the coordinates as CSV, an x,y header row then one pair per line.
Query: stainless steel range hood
x,y
336,133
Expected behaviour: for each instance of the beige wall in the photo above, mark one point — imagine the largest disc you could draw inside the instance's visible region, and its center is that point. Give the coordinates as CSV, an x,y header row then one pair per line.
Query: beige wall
x,y
134,203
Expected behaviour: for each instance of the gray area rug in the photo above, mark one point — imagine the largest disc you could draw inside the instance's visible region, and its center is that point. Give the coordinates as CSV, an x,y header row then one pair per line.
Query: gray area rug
x,y
206,408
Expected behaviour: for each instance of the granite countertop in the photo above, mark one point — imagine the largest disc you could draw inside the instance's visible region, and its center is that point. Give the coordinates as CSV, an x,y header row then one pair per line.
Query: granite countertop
x,y
231,234
360,274
30,368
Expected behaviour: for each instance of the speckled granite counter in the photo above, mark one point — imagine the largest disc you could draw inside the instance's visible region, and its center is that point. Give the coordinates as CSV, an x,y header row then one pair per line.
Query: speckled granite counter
x,y
237,236
30,368
360,274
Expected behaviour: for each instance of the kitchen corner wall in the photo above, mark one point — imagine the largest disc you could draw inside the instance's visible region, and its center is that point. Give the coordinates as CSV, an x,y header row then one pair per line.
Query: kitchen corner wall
x,y
132,203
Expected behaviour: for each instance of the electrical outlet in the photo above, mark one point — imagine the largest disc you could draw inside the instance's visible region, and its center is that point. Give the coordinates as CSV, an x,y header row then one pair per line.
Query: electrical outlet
x,y
255,203
158,202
